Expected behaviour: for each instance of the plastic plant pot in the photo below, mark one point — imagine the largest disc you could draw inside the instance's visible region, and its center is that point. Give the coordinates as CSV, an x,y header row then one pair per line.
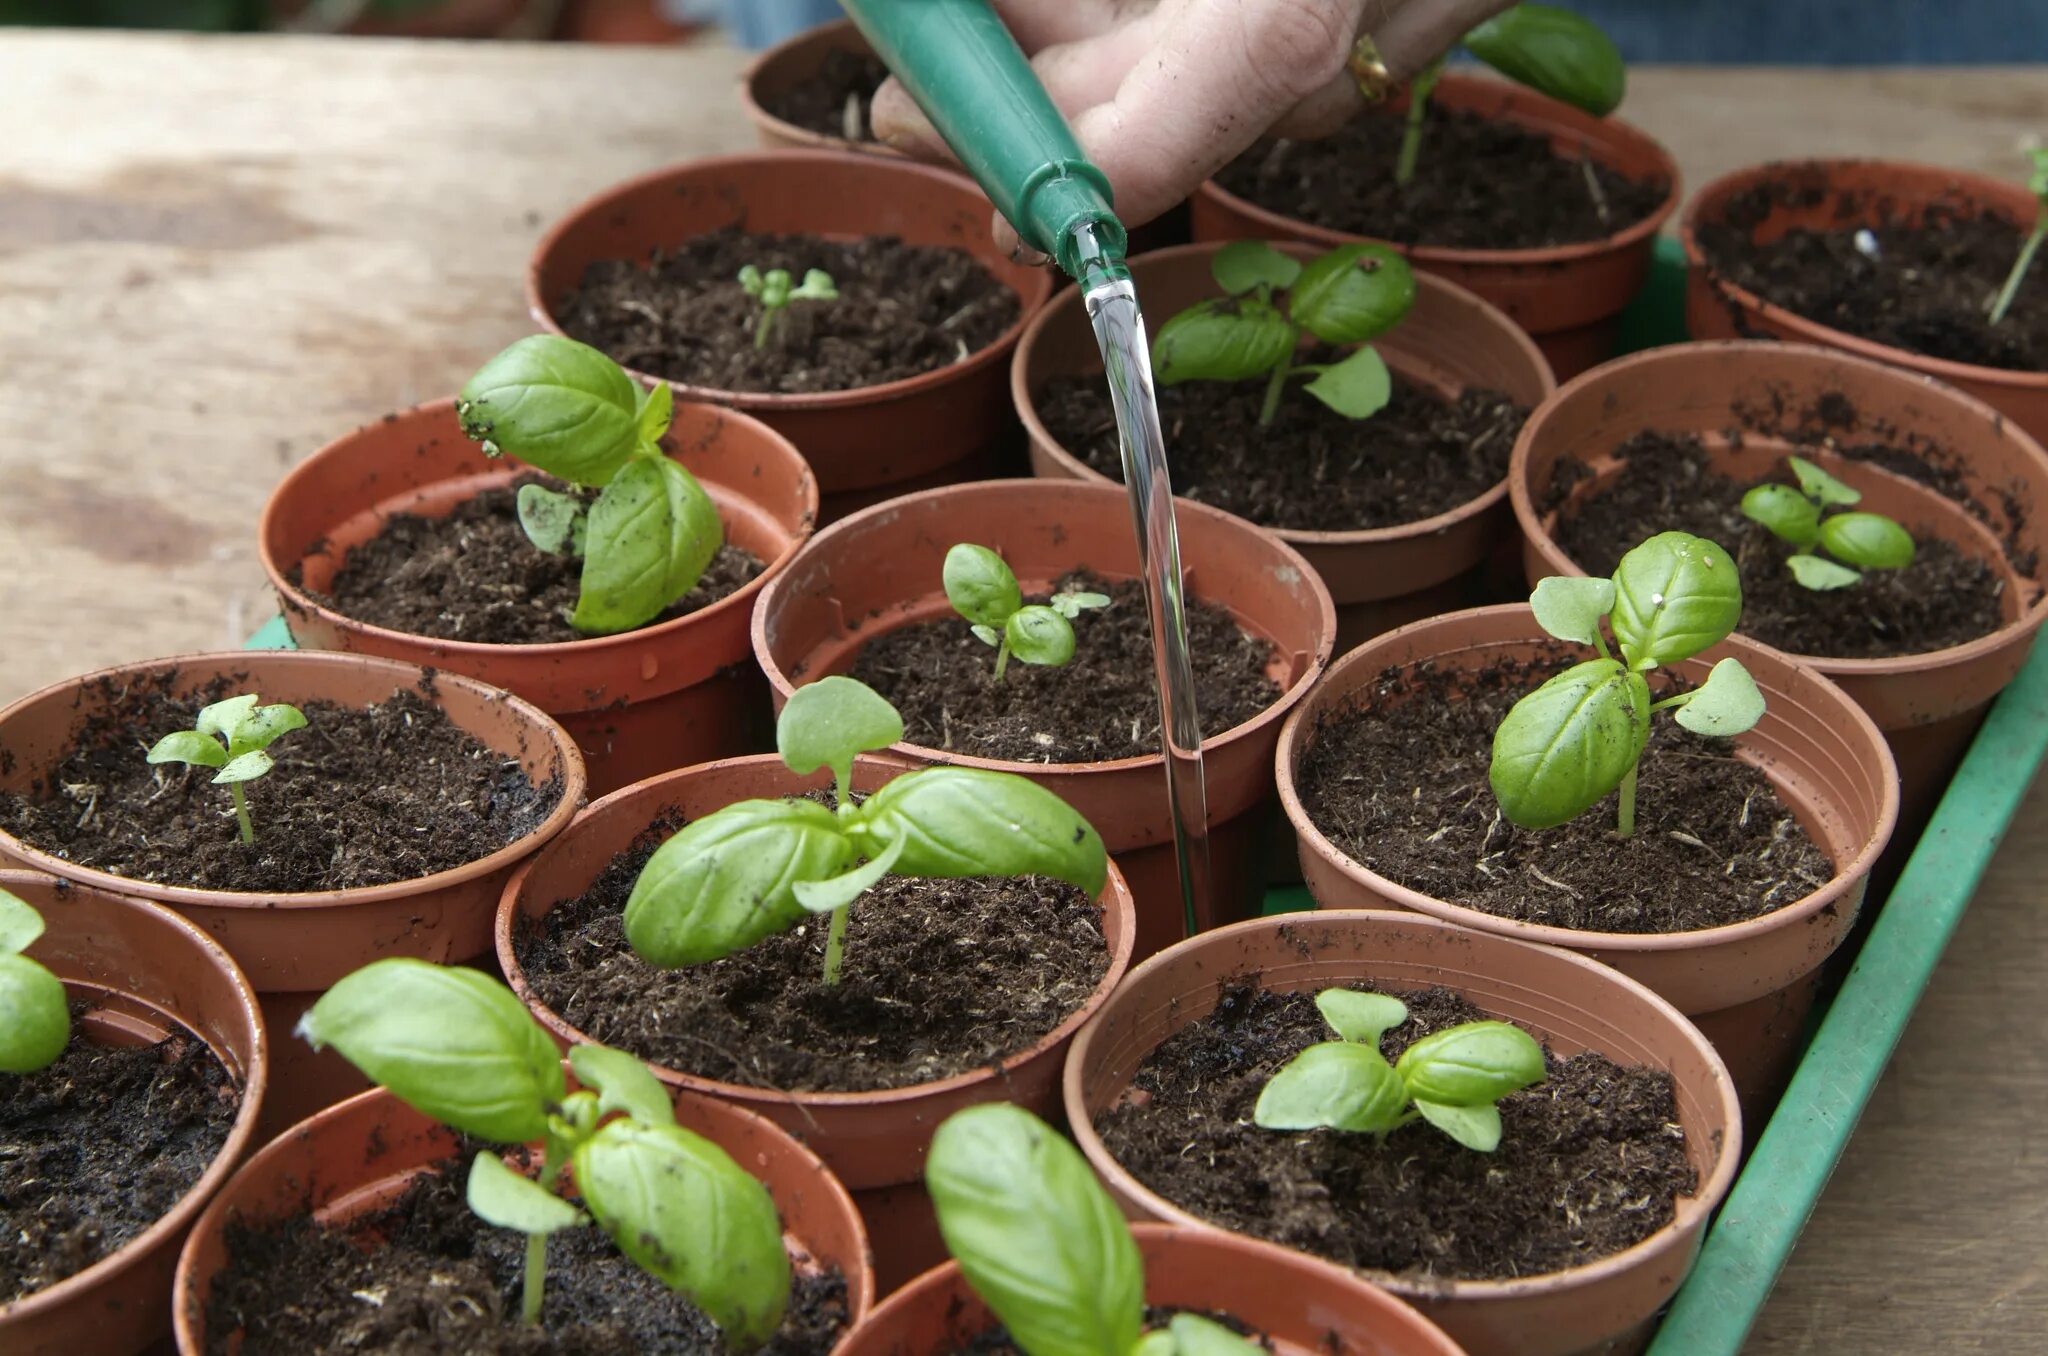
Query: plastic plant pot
x,y
785,66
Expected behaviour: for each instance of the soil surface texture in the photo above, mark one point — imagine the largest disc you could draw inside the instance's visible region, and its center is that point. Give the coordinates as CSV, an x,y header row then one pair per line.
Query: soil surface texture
x,y
903,310
1927,290
472,575
359,797
428,1278
819,103
939,977
1311,468
1943,598
1401,787
1590,1162
1102,705
1479,184
99,1146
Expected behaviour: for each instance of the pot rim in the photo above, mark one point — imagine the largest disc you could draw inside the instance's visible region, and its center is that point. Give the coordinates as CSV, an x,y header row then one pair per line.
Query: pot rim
x,y
1115,898
1712,1189
403,675
916,177
758,113
1949,656
1981,188
1365,659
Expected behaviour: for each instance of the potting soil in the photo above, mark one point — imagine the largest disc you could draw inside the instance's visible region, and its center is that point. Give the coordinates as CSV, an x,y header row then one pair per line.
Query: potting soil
x,y
819,103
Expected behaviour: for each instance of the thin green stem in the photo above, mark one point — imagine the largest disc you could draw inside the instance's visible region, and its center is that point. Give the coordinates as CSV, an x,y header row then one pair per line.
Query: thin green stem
x,y
242,812
1275,385
2019,267
761,330
1627,819
835,942
1418,107
534,1289
1680,700
1600,641
1002,657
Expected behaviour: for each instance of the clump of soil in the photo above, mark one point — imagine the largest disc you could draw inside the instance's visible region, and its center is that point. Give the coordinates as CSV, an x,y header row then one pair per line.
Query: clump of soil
x,y
1103,705
473,575
1943,598
903,310
1480,184
428,1278
361,796
819,104
1928,290
1310,469
939,978
99,1146
1590,1162
1399,784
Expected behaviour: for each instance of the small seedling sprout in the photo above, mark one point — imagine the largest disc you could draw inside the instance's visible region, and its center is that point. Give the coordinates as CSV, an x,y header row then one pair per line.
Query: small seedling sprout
x,y
1567,745
2037,184
984,591
35,1016
1453,1078
1870,541
458,1046
773,290
231,737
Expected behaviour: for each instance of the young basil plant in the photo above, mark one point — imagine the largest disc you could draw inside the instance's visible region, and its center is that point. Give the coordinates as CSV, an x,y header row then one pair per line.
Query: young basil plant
x,y
1453,1079
982,589
35,1015
1044,1245
757,868
1352,294
1800,517
457,1045
773,290
231,737
567,409
1576,738
2037,184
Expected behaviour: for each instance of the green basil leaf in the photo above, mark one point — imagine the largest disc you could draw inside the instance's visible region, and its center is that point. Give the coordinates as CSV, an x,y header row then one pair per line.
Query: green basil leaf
x,y
1361,1017
1819,485
2037,178
1040,635
1158,1342
1357,388
816,286
1222,340
1336,1085
245,767
1675,595
657,410
960,821
1244,265
651,533
451,1043
35,1016
1475,1127
1471,1064
1567,745
725,881
555,404
497,1195
1555,52
1072,605
987,635
20,924
1193,1335
831,722
1354,293
1869,541
1790,515
263,727
554,523
189,746
1571,608
692,1218
979,585
1820,575
1035,1234
223,718
1726,704
827,896
623,1083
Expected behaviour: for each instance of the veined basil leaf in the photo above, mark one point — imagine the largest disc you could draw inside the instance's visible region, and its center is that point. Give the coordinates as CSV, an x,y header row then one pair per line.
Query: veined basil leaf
x,y
35,1016
1675,595
1243,265
979,585
497,1195
1475,1127
1869,541
657,410
555,404
650,535
958,821
1361,1017
1231,339
1569,743
1336,1085
1353,293
623,1083
1555,52
1040,635
1471,1064
1789,515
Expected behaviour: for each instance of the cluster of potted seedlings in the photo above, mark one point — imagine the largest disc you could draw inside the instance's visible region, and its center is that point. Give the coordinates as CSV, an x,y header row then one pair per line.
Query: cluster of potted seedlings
x,y
638,918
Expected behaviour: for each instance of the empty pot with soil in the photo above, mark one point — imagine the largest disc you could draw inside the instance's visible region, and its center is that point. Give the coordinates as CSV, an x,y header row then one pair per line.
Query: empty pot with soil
x,y
1881,259
115,1148
387,825
815,91
1532,1249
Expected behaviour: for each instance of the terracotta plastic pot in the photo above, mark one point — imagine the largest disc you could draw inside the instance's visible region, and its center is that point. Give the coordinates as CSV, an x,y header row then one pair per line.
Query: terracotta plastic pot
x,y
854,440
1929,704
1304,1307
1571,1002
1569,297
1451,340
880,571
876,1140
678,692
790,63
1747,985
145,972
1838,195
353,1159
293,946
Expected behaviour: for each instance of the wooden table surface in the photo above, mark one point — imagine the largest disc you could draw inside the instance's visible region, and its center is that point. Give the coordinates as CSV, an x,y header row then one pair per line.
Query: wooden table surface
x,y
218,253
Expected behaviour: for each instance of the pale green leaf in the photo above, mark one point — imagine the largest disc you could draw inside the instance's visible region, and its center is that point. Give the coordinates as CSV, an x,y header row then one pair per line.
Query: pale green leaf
x,y
20,924
623,1083
1244,265
836,892
245,767
554,523
1789,515
1357,387
1571,608
831,722
1334,1085
1194,1335
1819,485
1353,293
657,411
189,746
497,1195
35,1016
555,404
979,585
1475,1127
1869,541
1040,635
1726,704
1222,340
1820,575
223,718
1471,1064
649,537
1361,1017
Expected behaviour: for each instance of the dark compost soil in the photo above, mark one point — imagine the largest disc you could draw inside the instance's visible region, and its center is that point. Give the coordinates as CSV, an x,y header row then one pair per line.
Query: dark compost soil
x,y
1590,1160
819,103
472,575
1479,184
99,1146
1310,469
939,978
427,1277
1400,786
903,310
1103,705
359,797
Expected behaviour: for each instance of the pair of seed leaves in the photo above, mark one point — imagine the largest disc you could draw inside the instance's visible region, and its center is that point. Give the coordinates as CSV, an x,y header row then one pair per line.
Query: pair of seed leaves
x,y
1869,540
35,1016
983,589
231,736
567,409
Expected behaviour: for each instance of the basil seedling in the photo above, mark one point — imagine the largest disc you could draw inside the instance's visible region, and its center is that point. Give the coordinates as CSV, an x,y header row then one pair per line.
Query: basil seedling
x,y
1352,294
231,736
2037,184
1044,1245
1452,1079
773,290
982,589
1569,743
1869,540
569,410
758,867
457,1045
35,1016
